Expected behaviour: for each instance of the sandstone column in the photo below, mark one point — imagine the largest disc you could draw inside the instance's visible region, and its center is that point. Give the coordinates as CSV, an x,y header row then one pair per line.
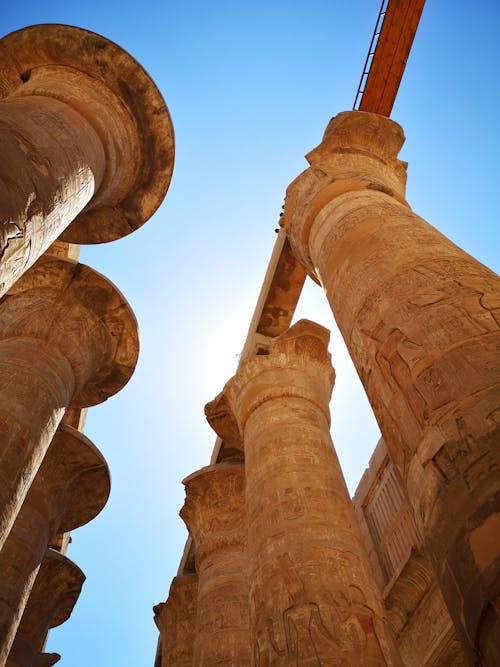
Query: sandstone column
x,y
67,338
214,513
421,319
176,620
313,598
51,601
85,134
69,490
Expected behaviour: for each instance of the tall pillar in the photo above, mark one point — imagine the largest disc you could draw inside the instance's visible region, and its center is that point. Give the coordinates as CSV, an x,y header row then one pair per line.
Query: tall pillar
x,y
51,601
69,490
313,598
86,137
176,620
214,512
67,338
420,318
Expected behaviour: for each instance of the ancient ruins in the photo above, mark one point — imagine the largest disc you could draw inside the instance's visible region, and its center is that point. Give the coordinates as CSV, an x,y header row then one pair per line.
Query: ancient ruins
x,y
281,566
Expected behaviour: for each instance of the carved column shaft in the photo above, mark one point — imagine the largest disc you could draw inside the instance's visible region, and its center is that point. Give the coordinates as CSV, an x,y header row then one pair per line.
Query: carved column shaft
x,y
70,488
75,146
313,599
27,370
67,338
421,319
214,512
176,620
52,164
51,601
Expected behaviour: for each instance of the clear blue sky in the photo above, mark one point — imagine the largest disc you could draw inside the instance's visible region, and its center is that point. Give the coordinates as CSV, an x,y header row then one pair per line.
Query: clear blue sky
x,y
250,87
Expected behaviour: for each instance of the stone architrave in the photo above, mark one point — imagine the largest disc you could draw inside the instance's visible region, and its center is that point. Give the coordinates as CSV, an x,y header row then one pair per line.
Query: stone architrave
x,y
51,601
214,513
420,318
67,338
71,487
86,137
175,619
313,599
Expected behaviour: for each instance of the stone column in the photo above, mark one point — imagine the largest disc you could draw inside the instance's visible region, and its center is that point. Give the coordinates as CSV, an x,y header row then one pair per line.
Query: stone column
x,y
67,338
51,601
421,320
86,137
214,513
176,620
69,490
313,598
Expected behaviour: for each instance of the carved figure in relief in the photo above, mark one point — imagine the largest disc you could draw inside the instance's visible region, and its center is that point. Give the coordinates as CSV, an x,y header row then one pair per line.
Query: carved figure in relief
x,y
308,640
266,646
358,629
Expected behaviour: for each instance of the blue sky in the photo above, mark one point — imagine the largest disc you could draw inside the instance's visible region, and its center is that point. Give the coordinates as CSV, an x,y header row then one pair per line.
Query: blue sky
x,y
250,87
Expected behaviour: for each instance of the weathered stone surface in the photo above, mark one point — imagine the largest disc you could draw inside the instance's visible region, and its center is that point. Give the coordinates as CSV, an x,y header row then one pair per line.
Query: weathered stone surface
x,y
214,512
313,599
176,620
67,339
51,601
421,319
85,134
385,517
71,487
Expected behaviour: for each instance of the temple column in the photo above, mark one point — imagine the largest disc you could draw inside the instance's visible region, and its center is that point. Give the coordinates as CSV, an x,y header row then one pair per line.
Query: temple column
x,y
71,487
51,601
67,339
214,512
175,619
86,137
420,318
313,599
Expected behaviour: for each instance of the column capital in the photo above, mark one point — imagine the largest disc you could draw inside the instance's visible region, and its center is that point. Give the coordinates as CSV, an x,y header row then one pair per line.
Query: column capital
x,y
52,599
176,619
117,96
214,508
75,478
358,152
80,315
181,597
46,659
298,365
59,582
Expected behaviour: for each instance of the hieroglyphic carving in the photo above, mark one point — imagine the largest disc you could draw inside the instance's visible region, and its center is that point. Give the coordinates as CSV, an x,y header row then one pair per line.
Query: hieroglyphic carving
x,y
421,320
303,541
214,512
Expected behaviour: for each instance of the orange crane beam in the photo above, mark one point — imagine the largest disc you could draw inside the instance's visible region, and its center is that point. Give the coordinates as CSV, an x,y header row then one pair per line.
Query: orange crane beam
x,y
389,59
394,33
